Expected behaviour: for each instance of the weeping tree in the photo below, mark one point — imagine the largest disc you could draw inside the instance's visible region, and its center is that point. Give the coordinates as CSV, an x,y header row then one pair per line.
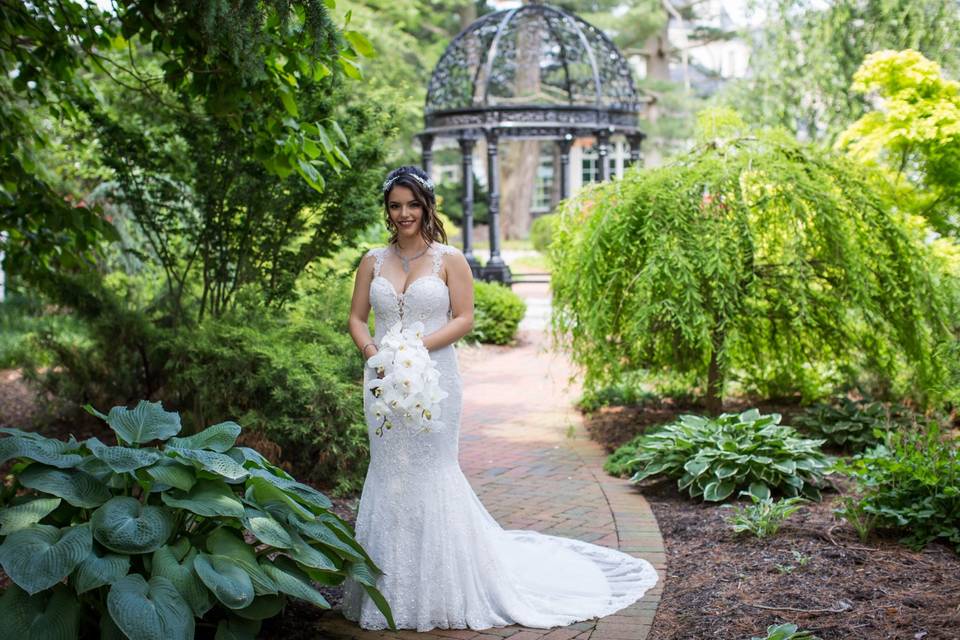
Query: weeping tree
x,y
755,254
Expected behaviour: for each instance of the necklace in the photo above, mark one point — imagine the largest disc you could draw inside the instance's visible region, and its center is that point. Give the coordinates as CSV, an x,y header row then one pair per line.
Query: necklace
x,y
406,261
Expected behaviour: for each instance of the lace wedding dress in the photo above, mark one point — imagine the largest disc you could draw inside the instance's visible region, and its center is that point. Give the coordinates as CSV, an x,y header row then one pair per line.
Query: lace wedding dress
x,y
447,563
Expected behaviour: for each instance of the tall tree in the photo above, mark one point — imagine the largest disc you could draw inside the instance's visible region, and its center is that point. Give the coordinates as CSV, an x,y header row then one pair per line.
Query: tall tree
x,y
804,59
753,255
223,62
913,134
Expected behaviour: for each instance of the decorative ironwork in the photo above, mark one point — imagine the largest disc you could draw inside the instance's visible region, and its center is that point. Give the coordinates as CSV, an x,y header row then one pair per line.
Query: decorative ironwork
x,y
534,54
534,72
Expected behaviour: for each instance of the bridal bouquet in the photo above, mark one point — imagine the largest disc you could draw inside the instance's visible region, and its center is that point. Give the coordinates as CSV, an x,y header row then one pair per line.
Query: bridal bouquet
x,y
409,393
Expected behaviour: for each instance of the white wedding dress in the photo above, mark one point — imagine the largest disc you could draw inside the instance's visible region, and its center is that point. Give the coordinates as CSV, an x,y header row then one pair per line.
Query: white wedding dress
x,y
447,563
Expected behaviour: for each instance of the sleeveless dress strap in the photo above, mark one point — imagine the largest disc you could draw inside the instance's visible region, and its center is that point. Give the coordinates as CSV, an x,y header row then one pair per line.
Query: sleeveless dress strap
x,y
378,255
438,252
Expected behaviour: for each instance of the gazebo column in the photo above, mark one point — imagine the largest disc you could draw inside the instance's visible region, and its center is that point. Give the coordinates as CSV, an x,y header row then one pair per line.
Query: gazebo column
x,y
603,149
466,166
426,144
495,268
635,140
565,143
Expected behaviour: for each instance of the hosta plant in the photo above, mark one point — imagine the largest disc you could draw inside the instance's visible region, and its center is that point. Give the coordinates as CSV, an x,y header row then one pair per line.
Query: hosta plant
x,y
712,458
852,424
148,537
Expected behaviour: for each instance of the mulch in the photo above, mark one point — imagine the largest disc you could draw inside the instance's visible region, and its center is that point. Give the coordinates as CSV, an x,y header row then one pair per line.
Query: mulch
x,y
814,572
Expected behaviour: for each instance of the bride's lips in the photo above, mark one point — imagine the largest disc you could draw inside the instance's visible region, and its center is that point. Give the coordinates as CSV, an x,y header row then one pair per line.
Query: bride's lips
x,y
406,224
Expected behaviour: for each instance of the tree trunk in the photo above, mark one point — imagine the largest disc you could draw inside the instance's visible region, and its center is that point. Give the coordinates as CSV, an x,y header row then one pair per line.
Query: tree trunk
x,y
522,157
714,397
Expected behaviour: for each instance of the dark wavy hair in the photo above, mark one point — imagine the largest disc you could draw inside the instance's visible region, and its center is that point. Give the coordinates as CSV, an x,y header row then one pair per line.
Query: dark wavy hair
x,y
417,180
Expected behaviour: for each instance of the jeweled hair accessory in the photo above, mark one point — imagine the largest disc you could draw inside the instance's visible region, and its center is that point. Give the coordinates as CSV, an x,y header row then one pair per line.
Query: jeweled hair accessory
x,y
428,183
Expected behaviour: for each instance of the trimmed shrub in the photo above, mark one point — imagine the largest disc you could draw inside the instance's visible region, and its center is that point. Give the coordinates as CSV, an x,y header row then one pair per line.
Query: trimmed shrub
x,y
541,231
497,312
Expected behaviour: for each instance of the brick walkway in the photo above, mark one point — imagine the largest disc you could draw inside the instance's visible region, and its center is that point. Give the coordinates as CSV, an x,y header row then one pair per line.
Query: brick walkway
x,y
528,457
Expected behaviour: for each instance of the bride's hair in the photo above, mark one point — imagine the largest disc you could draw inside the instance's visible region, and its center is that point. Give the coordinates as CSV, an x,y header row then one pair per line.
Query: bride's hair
x,y
417,180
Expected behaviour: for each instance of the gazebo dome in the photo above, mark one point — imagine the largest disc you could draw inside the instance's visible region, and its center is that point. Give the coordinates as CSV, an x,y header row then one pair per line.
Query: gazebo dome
x,y
532,55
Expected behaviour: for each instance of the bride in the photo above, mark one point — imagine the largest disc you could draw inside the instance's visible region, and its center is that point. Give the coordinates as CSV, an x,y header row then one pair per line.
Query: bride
x,y
447,563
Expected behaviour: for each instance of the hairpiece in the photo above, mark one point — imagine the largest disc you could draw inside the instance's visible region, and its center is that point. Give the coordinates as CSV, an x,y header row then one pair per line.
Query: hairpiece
x,y
428,183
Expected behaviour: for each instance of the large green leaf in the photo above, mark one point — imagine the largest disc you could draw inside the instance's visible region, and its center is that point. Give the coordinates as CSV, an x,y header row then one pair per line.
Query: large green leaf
x,y
321,532
234,628
245,455
122,459
152,610
216,463
23,515
40,556
76,487
716,491
360,572
263,493
124,524
147,421
266,529
304,493
310,556
208,498
51,615
24,444
263,607
170,472
224,542
226,579
220,437
97,570
176,564
291,580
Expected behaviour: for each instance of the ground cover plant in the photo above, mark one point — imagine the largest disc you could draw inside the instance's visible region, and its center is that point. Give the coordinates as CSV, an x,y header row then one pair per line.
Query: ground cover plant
x,y
159,534
713,457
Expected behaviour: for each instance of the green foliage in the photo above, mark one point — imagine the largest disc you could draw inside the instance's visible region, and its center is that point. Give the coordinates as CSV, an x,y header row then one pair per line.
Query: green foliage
x,y
750,250
643,388
497,312
914,135
712,458
541,231
804,59
764,517
910,484
236,65
786,631
292,377
450,200
852,510
853,424
158,530
21,319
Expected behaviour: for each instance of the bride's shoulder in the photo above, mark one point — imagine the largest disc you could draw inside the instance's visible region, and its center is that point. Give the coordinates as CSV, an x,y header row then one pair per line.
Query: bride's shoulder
x,y
445,249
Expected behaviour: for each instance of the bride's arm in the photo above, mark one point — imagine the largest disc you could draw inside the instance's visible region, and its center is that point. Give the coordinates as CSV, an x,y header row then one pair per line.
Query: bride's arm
x,y
360,308
460,285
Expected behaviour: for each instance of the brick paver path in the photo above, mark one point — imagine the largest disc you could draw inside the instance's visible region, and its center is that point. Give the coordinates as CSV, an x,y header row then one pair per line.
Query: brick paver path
x,y
528,457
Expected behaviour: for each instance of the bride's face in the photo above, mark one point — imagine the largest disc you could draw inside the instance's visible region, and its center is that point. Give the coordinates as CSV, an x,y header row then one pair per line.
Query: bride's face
x,y
405,211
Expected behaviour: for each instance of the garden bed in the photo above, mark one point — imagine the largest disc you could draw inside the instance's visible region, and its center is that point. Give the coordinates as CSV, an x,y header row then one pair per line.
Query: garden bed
x,y
720,585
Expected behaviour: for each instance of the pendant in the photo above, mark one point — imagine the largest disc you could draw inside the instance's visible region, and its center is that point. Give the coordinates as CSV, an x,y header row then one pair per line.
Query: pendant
x,y
406,264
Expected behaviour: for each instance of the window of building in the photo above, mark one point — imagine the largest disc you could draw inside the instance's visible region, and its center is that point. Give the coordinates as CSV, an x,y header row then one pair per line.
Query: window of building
x,y
543,185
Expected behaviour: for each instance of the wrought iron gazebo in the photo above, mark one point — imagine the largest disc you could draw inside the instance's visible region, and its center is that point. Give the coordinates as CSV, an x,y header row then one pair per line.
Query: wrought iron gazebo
x,y
534,72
